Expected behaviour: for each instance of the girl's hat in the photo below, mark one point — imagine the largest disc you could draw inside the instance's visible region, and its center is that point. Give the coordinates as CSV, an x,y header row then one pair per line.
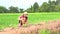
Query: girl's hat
x,y
25,13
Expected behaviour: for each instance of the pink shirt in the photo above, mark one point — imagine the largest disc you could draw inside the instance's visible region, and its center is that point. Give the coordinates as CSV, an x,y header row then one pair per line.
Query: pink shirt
x,y
24,17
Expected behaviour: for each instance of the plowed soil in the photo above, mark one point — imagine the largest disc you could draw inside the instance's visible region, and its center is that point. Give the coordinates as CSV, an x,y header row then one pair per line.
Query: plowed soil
x,y
53,25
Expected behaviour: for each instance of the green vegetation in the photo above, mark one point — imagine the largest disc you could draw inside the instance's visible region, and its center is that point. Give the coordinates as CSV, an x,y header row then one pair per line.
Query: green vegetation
x,y
44,31
50,6
47,11
11,19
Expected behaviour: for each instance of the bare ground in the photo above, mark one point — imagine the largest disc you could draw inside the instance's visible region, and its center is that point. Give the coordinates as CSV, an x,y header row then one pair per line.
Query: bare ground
x,y
52,25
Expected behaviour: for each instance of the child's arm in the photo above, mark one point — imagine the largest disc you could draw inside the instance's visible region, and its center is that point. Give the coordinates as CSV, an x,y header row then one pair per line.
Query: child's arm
x,y
19,18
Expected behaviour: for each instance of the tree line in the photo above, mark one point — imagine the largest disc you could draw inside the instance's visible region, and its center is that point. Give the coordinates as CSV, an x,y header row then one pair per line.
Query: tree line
x,y
50,6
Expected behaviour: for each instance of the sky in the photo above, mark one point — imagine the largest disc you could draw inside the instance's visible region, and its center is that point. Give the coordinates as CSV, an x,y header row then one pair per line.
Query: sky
x,y
24,4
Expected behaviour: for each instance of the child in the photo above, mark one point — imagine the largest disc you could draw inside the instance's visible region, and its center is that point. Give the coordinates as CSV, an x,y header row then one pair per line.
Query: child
x,y
23,19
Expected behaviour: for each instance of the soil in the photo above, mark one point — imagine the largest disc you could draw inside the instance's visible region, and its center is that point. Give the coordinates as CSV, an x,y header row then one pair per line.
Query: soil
x,y
52,25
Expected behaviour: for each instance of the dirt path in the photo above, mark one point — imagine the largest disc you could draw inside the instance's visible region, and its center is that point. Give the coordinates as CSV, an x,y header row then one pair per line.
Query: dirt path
x,y
52,25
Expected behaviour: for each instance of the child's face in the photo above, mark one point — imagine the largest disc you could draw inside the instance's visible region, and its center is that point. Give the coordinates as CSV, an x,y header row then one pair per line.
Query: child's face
x,y
25,14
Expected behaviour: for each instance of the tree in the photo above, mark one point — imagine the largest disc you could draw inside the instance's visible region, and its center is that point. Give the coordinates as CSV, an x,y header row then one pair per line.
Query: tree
x,y
36,7
13,9
3,9
57,2
21,10
44,7
52,5
30,10
57,8
49,1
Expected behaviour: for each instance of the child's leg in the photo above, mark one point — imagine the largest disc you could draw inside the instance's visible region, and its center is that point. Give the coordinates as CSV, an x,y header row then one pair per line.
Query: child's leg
x,y
20,23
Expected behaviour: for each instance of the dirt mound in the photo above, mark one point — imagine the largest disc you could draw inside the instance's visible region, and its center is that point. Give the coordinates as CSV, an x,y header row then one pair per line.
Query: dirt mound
x,y
52,25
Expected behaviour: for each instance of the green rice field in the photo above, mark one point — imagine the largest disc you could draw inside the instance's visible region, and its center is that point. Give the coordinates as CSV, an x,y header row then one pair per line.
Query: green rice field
x,y
11,19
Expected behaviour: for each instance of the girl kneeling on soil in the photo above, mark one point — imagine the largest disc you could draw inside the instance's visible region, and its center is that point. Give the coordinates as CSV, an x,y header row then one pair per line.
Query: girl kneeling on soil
x,y
23,19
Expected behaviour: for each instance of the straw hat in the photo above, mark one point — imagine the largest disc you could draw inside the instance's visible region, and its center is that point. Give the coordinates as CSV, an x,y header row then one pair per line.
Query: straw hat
x,y
25,13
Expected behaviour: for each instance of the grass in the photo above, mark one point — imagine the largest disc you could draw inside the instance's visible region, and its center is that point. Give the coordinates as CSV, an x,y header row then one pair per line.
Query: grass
x,y
44,31
11,19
